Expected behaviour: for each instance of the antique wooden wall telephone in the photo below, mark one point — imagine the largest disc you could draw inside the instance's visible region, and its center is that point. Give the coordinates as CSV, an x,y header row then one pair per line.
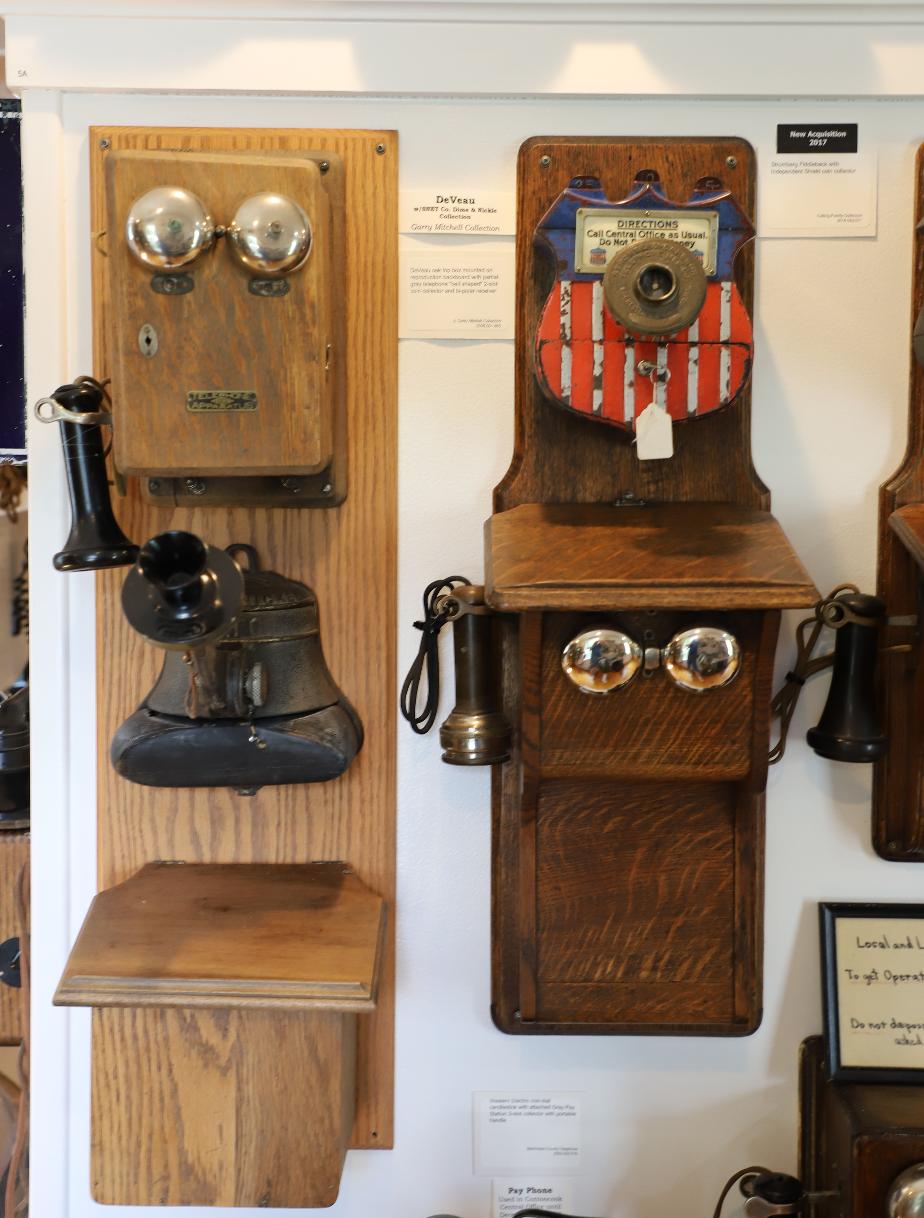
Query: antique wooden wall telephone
x,y
635,598
244,374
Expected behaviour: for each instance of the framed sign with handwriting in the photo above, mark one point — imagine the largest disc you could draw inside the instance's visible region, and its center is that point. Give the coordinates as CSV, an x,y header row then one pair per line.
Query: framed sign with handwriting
x,y
873,988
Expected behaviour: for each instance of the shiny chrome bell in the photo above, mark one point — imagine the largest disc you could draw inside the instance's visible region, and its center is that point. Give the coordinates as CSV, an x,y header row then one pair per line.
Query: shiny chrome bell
x,y
906,1196
601,660
270,235
702,658
168,227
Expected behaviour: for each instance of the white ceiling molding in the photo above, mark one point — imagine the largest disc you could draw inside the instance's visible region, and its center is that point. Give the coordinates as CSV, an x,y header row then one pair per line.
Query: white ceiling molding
x,y
419,59
552,12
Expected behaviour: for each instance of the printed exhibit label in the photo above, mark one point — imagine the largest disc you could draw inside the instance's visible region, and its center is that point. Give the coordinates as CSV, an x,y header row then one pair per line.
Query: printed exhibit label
x,y
456,293
819,184
526,1131
508,1196
601,232
474,213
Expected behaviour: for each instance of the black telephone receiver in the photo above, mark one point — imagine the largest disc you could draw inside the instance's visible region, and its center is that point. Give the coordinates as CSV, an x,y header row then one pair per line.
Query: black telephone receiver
x,y
849,728
476,731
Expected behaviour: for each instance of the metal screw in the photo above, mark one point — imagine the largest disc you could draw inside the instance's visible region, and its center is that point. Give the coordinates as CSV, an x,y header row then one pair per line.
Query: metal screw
x,y
545,162
323,166
195,486
892,847
154,485
104,144
731,162
380,149
292,484
517,1015
326,488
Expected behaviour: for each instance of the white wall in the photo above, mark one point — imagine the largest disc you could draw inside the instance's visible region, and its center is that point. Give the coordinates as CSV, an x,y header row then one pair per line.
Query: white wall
x,y
663,1117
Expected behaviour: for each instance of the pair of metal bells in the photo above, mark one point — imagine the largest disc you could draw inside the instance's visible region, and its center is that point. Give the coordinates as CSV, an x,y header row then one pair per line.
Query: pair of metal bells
x,y
655,287
699,659
169,227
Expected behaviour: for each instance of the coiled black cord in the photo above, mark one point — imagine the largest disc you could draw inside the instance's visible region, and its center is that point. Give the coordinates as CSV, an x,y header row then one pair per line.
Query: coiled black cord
x,y
428,657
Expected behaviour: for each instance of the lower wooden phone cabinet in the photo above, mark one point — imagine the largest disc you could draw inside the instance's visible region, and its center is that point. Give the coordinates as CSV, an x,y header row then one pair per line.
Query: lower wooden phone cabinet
x,y
856,1138
253,1105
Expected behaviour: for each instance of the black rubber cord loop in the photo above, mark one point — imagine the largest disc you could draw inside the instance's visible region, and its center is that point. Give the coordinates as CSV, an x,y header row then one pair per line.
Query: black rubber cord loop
x,y
427,659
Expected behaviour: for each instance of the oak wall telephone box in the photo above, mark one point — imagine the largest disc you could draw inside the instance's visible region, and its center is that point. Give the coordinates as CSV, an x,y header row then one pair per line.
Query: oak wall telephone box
x,y
227,325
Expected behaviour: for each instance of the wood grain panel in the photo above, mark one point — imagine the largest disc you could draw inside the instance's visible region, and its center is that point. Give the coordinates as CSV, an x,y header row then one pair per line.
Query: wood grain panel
x,y
631,927
627,881
230,935
14,857
221,336
236,1109
348,556
652,728
675,556
565,459
898,779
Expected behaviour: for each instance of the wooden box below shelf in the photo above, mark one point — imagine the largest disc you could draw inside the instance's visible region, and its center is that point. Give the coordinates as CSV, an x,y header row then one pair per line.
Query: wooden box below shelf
x,y
855,1138
255,1095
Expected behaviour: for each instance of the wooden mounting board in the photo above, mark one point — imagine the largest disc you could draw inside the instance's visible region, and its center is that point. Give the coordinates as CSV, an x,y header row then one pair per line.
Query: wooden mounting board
x,y
14,856
560,458
898,780
348,555
628,832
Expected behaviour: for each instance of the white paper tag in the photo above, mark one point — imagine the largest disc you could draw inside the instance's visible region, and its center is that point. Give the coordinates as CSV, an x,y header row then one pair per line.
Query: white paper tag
x,y
654,434
527,1131
819,196
508,1197
456,293
479,213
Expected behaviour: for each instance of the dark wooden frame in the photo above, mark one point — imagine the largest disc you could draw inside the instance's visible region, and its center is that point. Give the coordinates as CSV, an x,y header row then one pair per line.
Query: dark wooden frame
x,y
828,915
898,780
568,935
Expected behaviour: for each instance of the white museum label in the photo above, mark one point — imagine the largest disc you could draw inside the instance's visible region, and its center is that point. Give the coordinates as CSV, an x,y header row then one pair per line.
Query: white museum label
x,y
818,184
601,232
880,967
527,1131
508,1196
456,293
479,213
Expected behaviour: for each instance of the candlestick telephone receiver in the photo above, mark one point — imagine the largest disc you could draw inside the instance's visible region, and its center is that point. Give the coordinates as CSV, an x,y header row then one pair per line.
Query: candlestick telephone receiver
x,y
245,698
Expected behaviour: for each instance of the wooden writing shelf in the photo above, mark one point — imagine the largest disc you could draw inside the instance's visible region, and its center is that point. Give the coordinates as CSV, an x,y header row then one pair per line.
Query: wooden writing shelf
x,y
230,935
287,956
670,555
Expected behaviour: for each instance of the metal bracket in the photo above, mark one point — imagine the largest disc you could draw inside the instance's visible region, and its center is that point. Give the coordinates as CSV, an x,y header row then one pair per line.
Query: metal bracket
x,y
315,490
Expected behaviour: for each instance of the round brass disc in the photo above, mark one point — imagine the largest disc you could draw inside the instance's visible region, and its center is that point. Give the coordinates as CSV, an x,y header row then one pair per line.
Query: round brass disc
x,y
655,287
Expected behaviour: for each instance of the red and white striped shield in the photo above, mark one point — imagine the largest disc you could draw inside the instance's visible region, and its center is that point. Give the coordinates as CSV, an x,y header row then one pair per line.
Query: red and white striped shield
x,y
587,362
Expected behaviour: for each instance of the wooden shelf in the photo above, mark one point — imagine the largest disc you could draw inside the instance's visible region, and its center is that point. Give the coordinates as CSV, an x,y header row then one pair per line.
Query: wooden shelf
x,y
664,556
243,935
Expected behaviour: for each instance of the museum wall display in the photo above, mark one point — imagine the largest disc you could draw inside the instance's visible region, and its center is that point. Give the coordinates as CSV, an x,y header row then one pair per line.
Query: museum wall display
x,y
613,293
